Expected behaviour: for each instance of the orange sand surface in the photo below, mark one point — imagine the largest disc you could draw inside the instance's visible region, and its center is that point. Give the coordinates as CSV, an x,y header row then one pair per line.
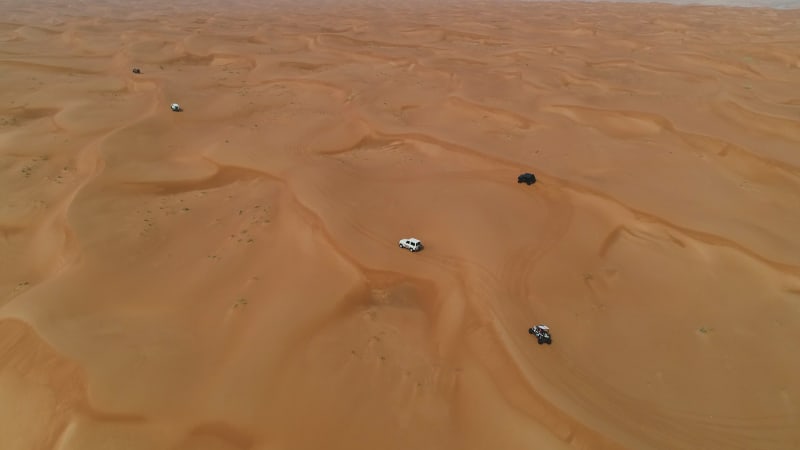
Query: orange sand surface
x,y
228,277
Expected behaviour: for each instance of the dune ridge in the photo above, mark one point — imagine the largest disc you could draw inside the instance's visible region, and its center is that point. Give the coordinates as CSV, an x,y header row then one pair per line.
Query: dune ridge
x,y
228,277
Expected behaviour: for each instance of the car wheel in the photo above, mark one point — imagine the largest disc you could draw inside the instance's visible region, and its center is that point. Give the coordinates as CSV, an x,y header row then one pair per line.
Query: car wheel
x,y
540,341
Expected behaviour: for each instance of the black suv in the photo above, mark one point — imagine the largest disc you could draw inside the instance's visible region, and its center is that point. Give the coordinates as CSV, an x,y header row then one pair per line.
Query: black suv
x,y
527,178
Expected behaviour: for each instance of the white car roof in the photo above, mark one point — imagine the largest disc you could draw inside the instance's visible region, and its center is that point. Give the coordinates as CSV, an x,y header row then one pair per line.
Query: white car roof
x,y
413,240
544,327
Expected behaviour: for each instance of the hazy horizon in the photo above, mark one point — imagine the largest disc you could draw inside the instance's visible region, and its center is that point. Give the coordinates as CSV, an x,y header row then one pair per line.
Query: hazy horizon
x,y
775,4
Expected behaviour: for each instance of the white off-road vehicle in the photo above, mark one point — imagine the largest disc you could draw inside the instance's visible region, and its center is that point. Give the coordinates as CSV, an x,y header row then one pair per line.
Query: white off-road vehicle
x,y
175,107
542,333
412,244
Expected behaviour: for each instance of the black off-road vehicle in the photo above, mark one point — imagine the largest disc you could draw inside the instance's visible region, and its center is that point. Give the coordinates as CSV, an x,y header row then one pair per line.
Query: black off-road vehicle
x,y
542,333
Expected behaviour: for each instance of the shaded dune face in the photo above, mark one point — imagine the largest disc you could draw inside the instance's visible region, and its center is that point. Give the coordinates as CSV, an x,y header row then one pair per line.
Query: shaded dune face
x,y
229,278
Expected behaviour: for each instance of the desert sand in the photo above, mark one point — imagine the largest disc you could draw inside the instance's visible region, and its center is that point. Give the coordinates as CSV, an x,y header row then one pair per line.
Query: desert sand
x,y
228,277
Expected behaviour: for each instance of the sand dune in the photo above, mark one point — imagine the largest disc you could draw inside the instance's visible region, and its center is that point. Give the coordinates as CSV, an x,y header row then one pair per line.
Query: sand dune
x,y
228,277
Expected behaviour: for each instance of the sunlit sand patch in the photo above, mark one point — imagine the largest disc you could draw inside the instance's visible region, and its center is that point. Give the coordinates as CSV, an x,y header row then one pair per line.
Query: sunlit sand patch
x,y
52,395
781,127
618,124
738,69
233,62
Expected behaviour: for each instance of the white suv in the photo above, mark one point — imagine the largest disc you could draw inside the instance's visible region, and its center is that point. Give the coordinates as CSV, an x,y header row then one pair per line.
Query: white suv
x,y
412,244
